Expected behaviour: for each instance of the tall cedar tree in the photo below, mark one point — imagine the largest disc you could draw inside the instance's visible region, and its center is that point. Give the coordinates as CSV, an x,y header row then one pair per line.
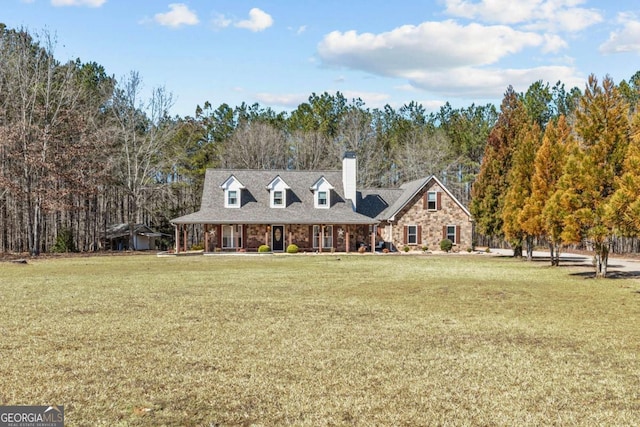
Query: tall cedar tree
x,y
623,211
519,189
589,180
548,166
491,185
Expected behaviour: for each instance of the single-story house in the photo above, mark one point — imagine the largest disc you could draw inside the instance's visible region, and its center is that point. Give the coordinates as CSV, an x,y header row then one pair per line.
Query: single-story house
x,y
322,211
117,237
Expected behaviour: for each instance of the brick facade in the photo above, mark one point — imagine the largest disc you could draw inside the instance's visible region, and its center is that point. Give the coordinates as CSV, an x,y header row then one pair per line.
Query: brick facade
x,y
429,222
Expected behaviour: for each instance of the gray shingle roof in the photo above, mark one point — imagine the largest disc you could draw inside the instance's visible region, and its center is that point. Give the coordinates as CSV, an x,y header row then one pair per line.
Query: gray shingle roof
x,y
373,205
255,203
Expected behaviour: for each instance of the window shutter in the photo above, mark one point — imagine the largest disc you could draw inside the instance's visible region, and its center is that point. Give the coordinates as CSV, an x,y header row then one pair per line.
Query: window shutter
x,y
438,200
311,237
419,239
406,234
444,232
218,236
425,202
457,235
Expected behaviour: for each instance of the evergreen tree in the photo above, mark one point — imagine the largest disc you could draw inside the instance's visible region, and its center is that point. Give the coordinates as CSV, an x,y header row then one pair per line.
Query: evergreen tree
x,y
623,211
589,180
519,189
538,214
491,184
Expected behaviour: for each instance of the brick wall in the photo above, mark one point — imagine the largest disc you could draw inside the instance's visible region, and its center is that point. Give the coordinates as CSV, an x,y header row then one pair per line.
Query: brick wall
x,y
430,221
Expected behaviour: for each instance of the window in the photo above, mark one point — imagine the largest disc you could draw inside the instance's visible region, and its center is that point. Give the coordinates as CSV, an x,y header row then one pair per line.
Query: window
x,y
412,234
278,192
451,233
232,192
321,193
278,198
432,200
231,236
324,235
322,199
232,198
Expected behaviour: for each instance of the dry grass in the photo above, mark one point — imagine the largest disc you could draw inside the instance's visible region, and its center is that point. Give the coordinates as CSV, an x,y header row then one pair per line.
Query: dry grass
x,y
313,341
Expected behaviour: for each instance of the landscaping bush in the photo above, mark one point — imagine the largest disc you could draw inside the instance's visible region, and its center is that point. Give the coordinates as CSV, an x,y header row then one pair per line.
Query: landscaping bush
x,y
446,245
292,249
362,249
406,248
264,248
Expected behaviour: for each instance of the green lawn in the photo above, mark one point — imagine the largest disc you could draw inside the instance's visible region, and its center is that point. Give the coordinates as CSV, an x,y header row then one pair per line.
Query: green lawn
x,y
317,340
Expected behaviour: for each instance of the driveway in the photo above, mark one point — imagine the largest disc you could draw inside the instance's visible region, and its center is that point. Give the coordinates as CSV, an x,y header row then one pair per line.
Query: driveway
x,y
619,266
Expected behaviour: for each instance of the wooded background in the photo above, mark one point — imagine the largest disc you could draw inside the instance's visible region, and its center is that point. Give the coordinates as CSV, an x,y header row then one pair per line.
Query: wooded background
x,y
81,149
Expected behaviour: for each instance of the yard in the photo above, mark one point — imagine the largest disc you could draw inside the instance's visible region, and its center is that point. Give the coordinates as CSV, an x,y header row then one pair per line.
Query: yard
x,y
313,340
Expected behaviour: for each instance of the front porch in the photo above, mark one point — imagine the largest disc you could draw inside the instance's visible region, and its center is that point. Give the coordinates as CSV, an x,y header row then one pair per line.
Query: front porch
x,y
308,237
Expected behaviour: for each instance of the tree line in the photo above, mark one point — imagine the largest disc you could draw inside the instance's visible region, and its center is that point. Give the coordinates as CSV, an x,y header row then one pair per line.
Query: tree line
x,y
81,150
567,176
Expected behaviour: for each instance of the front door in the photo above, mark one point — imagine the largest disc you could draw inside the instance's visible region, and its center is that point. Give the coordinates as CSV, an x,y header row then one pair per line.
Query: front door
x,y
277,238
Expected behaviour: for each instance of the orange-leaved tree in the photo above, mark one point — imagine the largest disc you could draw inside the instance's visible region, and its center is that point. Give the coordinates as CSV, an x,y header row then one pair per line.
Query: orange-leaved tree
x,y
519,188
540,216
589,179
623,210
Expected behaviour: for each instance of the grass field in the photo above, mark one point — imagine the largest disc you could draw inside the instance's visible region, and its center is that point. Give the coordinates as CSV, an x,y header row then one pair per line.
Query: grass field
x,y
319,340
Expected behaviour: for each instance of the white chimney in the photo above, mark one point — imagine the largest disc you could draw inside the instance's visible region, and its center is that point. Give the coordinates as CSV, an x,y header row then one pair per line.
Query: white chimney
x,y
349,171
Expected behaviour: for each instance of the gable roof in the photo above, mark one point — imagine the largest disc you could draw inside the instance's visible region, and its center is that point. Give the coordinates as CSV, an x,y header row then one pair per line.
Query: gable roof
x,y
373,205
411,189
255,202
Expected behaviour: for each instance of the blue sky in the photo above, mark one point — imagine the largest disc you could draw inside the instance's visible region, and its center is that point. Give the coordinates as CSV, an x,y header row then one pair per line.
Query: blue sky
x,y
277,53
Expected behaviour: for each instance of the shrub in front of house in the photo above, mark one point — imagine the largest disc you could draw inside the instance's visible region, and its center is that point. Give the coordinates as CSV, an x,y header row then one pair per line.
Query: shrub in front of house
x,y
264,248
292,249
406,249
446,245
425,248
362,249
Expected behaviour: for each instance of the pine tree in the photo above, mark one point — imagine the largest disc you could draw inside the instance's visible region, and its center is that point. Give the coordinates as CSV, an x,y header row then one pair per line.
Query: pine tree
x,y
589,179
489,190
623,210
519,189
548,165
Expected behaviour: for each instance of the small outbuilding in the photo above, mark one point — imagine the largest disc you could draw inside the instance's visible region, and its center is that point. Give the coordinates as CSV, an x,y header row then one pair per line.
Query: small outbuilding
x,y
118,237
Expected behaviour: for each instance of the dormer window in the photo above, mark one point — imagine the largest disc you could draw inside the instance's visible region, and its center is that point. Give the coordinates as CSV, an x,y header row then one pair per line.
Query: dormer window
x,y
232,199
322,199
232,192
322,193
278,192
278,199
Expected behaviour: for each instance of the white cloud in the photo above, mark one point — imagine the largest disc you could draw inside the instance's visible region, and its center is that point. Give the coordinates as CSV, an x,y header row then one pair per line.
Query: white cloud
x,y
489,83
626,39
220,21
179,15
429,46
549,15
447,58
258,21
90,3
291,100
